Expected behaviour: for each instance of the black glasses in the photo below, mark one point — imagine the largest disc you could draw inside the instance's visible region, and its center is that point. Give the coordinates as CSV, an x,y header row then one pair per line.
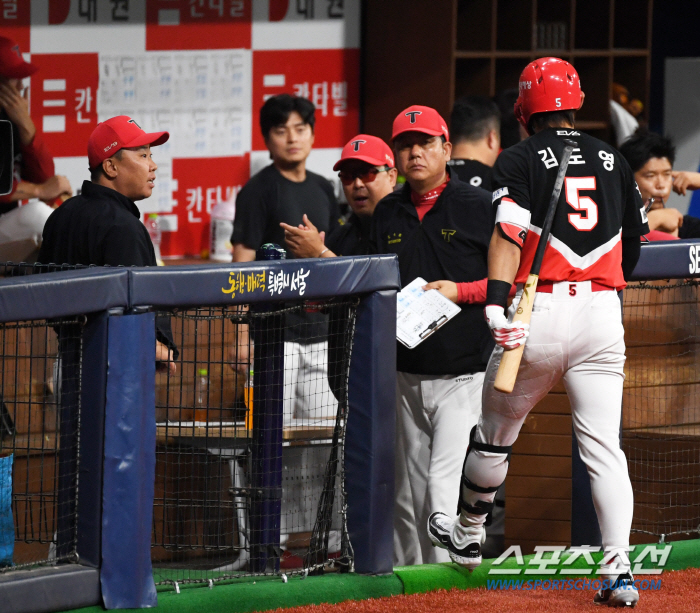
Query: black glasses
x,y
366,176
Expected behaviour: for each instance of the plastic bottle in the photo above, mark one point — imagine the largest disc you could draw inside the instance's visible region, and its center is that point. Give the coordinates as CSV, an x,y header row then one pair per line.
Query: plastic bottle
x,y
248,400
155,233
221,249
201,396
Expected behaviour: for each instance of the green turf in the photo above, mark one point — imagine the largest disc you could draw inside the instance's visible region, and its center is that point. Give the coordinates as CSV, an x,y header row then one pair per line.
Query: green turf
x,y
246,595
428,577
266,593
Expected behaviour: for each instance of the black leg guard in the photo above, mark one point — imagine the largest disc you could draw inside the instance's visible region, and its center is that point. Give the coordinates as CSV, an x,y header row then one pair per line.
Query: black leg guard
x,y
481,507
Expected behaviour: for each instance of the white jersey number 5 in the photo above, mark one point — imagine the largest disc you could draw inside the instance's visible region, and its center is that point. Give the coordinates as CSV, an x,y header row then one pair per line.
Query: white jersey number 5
x,y
588,218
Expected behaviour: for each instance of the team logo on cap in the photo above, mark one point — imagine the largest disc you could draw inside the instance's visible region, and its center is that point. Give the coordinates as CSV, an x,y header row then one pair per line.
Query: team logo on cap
x,y
16,50
412,115
356,144
137,125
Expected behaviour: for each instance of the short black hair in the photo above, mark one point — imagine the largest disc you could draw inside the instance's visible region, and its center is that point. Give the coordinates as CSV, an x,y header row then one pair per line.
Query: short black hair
x,y
473,117
277,109
639,148
98,171
550,119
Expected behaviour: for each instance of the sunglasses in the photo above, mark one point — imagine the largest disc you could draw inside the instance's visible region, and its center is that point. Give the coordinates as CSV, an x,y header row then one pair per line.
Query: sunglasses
x,y
367,176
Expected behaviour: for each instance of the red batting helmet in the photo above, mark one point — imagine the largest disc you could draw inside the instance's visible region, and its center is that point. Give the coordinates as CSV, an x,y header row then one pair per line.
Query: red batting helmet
x,y
547,84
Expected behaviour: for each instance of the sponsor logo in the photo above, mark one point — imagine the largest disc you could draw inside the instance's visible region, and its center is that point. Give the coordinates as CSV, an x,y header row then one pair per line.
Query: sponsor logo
x,y
108,147
499,193
694,254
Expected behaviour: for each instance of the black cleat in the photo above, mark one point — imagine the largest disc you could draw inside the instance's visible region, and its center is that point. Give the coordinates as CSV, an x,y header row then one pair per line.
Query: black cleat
x,y
620,593
440,532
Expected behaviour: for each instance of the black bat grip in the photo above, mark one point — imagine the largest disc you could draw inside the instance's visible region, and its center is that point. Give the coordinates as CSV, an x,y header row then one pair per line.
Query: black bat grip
x,y
552,209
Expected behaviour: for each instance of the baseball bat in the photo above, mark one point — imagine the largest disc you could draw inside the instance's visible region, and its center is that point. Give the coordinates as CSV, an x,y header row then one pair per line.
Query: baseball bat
x,y
510,362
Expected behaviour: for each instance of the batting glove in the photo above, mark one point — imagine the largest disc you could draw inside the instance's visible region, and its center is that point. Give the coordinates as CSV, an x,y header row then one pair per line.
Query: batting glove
x,y
506,334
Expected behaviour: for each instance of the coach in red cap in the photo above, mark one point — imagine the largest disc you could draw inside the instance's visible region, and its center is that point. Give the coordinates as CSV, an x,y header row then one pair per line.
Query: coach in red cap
x,y
367,173
440,229
34,175
102,225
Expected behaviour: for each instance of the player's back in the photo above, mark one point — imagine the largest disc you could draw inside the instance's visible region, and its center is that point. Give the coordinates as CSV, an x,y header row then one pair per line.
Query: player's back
x,y
598,201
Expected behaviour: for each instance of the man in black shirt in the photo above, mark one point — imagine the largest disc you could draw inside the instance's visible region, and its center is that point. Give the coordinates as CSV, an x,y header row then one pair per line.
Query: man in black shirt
x,y
367,174
285,191
475,127
101,226
440,228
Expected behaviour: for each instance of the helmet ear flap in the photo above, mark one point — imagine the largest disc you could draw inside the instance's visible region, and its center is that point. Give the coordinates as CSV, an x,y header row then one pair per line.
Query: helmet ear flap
x,y
518,111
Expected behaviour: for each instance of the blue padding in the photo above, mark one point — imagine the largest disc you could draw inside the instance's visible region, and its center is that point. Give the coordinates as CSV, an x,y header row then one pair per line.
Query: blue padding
x,y
59,294
93,375
369,443
668,260
262,281
7,527
129,464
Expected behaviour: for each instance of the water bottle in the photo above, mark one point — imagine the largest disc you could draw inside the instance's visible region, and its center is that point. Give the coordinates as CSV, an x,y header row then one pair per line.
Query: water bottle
x,y
155,233
201,400
220,248
248,400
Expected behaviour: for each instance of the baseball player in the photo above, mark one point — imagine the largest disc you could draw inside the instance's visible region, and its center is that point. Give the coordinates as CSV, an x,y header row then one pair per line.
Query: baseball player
x,y
576,327
439,227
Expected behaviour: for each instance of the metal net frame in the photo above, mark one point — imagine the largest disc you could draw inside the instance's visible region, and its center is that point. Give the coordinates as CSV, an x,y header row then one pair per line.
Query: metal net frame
x,y
661,408
39,440
216,501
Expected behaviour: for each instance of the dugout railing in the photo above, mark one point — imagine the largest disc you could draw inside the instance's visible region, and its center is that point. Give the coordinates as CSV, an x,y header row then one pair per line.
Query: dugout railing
x,y
113,412
660,429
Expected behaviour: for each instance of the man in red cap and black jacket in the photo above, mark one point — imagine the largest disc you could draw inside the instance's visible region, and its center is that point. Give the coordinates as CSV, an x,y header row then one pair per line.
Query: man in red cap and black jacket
x,y
34,175
367,172
102,225
440,229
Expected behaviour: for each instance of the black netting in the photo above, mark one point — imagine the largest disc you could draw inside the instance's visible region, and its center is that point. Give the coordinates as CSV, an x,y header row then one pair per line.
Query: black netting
x,y
230,499
661,405
39,440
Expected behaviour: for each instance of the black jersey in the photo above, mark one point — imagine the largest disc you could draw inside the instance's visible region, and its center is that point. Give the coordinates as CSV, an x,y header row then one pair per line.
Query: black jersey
x,y
450,243
473,172
599,204
352,237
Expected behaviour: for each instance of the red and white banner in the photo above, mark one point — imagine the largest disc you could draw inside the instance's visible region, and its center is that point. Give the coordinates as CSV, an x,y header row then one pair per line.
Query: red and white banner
x,y
64,100
201,184
329,78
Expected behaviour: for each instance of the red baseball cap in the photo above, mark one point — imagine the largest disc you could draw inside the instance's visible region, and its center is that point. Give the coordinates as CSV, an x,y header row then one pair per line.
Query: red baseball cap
x,y
117,133
418,118
12,64
368,149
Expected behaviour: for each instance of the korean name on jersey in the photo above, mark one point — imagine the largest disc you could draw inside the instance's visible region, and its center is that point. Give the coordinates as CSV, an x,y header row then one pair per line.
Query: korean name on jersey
x,y
598,205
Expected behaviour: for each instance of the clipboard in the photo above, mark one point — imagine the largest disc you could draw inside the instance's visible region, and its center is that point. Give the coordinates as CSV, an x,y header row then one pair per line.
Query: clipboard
x,y
420,314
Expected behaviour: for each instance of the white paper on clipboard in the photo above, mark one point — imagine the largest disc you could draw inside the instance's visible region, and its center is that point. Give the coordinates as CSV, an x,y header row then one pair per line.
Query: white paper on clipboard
x,y
419,313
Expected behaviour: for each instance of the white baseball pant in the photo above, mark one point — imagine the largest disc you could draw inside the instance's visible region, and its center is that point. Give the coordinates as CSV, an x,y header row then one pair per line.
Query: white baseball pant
x,y
577,334
434,415
307,393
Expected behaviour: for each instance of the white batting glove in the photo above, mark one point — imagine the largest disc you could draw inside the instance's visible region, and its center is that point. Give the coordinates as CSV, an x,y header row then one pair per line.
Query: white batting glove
x,y
506,334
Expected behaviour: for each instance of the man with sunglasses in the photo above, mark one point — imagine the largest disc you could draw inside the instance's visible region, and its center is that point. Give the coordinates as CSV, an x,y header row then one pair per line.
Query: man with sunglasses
x,y
367,174
440,229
